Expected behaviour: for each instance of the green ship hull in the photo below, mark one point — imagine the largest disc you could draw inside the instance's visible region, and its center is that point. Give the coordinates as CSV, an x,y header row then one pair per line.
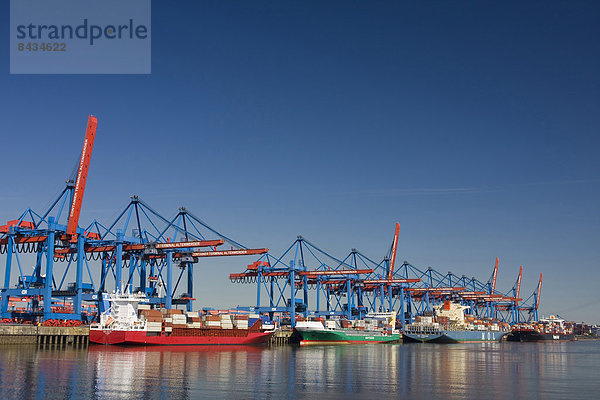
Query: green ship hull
x,y
345,336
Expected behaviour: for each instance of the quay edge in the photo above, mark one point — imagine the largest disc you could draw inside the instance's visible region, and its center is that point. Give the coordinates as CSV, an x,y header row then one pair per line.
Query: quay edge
x,y
44,335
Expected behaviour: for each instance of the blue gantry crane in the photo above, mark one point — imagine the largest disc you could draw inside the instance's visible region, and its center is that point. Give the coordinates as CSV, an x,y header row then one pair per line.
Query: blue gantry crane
x,y
140,250
306,280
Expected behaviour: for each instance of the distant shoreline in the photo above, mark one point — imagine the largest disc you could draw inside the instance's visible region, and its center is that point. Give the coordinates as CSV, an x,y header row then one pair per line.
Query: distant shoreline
x,y
586,337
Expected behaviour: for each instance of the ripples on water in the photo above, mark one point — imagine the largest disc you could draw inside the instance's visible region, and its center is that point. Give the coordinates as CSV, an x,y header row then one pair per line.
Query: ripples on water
x,y
486,371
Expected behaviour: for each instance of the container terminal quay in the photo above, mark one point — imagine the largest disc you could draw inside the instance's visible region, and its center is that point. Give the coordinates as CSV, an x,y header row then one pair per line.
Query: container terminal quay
x,y
62,280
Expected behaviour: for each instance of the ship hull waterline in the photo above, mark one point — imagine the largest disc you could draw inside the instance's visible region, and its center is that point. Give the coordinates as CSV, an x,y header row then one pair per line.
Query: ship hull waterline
x,y
316,337
534,336
116,337
449,337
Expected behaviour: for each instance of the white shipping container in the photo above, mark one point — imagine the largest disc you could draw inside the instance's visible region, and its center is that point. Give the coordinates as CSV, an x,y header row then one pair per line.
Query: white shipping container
x,y
153,328
143,306
169,329
193,314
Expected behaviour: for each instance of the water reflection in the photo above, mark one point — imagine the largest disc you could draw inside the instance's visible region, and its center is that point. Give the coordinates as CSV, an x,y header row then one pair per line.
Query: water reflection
x,y
486,371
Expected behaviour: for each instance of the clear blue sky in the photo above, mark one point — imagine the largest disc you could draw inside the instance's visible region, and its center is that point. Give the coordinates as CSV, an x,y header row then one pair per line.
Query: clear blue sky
x,y
475,125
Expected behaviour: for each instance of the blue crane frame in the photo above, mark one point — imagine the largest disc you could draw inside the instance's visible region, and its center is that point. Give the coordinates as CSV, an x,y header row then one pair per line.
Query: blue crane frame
x,y
409,291
44,235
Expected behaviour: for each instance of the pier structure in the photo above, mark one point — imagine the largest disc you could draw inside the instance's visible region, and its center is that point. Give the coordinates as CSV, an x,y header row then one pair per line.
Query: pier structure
x,y
44,336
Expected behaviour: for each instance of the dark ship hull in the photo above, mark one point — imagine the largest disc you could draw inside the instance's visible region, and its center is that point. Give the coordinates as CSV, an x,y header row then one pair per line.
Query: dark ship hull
x,y
532,335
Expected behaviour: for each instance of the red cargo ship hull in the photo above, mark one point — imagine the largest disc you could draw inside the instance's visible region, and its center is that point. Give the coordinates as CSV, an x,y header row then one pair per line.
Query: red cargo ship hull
x,y
140,337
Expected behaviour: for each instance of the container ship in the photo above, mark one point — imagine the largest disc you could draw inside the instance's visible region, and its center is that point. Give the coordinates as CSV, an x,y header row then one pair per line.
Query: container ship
x,y
375,328
128,322
448,324
551,328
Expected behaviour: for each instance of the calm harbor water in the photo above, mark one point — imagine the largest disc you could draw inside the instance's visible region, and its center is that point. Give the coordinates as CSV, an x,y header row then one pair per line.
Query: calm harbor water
x,y
415,371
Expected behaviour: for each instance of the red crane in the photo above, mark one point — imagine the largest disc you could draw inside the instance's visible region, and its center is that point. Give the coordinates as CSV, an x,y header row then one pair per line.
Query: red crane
x,y
518,285
82,172
494,276
539,292
394,248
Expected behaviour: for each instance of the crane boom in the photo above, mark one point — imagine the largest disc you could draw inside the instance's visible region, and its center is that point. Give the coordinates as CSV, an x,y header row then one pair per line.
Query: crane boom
x,y
495,276
539,292
240,252
394,248
311,274
84,164
519,284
